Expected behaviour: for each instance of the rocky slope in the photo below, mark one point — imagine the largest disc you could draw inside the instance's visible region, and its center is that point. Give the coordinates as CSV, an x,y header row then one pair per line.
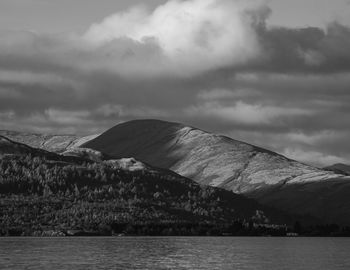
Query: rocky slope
x,y
207,158
54,143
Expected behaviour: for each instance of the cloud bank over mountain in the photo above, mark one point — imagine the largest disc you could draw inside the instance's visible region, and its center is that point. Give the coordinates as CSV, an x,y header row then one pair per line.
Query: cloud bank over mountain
x,y
216,64
191,36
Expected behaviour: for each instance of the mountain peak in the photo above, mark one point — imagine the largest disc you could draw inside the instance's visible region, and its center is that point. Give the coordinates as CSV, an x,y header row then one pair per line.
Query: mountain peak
x,y
207,158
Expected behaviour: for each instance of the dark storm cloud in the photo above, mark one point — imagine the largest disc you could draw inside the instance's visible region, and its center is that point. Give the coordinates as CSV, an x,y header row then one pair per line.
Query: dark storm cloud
x,y
311,49
281,88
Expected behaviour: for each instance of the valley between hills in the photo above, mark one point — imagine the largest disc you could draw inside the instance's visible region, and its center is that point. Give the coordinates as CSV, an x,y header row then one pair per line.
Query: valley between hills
x,y
151,177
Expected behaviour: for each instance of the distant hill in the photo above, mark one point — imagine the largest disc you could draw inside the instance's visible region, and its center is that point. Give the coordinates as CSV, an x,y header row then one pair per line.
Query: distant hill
x,y
10,149
339,168
54,143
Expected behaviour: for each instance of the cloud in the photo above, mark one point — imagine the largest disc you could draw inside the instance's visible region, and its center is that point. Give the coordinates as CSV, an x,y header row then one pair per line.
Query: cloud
x,y
314,157
7,115
311,49
67,117
122,111
181,39
224,94
30,78
193,36
215,64
250,114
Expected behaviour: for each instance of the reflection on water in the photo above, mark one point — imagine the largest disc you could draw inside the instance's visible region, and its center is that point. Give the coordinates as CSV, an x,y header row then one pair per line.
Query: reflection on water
x,y
175,253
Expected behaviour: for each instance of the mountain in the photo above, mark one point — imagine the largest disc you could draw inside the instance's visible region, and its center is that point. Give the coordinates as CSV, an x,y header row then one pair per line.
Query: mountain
x,y
54,143
339,168
207,158
219,161
43,193
10,148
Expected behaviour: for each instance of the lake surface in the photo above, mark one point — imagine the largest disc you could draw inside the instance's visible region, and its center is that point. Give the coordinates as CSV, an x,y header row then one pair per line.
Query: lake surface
x,y
175,253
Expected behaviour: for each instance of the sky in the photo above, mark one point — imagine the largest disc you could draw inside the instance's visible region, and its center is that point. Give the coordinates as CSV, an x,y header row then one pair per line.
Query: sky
x,y
273,73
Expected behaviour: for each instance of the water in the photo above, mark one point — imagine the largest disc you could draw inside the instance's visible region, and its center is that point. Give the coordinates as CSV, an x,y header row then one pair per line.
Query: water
x,y
175,253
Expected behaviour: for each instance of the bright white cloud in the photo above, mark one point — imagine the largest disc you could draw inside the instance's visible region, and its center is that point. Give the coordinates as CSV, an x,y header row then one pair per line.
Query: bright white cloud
x,y
194,36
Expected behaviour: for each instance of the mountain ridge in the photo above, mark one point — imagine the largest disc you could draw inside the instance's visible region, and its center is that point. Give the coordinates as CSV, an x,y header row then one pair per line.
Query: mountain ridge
x,y
50,142
215,160
209,159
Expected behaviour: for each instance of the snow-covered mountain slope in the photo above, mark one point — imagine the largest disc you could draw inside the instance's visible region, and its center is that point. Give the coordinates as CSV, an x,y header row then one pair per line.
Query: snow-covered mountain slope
x,y
207,158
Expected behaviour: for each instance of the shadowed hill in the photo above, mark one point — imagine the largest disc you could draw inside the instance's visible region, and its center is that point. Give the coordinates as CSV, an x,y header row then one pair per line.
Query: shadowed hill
x,y
327,200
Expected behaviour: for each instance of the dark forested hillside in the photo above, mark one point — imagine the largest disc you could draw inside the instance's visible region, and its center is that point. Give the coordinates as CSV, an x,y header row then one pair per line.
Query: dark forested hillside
x,y
39,195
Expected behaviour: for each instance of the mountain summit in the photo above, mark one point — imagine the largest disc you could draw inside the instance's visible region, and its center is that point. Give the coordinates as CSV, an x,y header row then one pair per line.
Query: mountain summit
x,y
207,158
